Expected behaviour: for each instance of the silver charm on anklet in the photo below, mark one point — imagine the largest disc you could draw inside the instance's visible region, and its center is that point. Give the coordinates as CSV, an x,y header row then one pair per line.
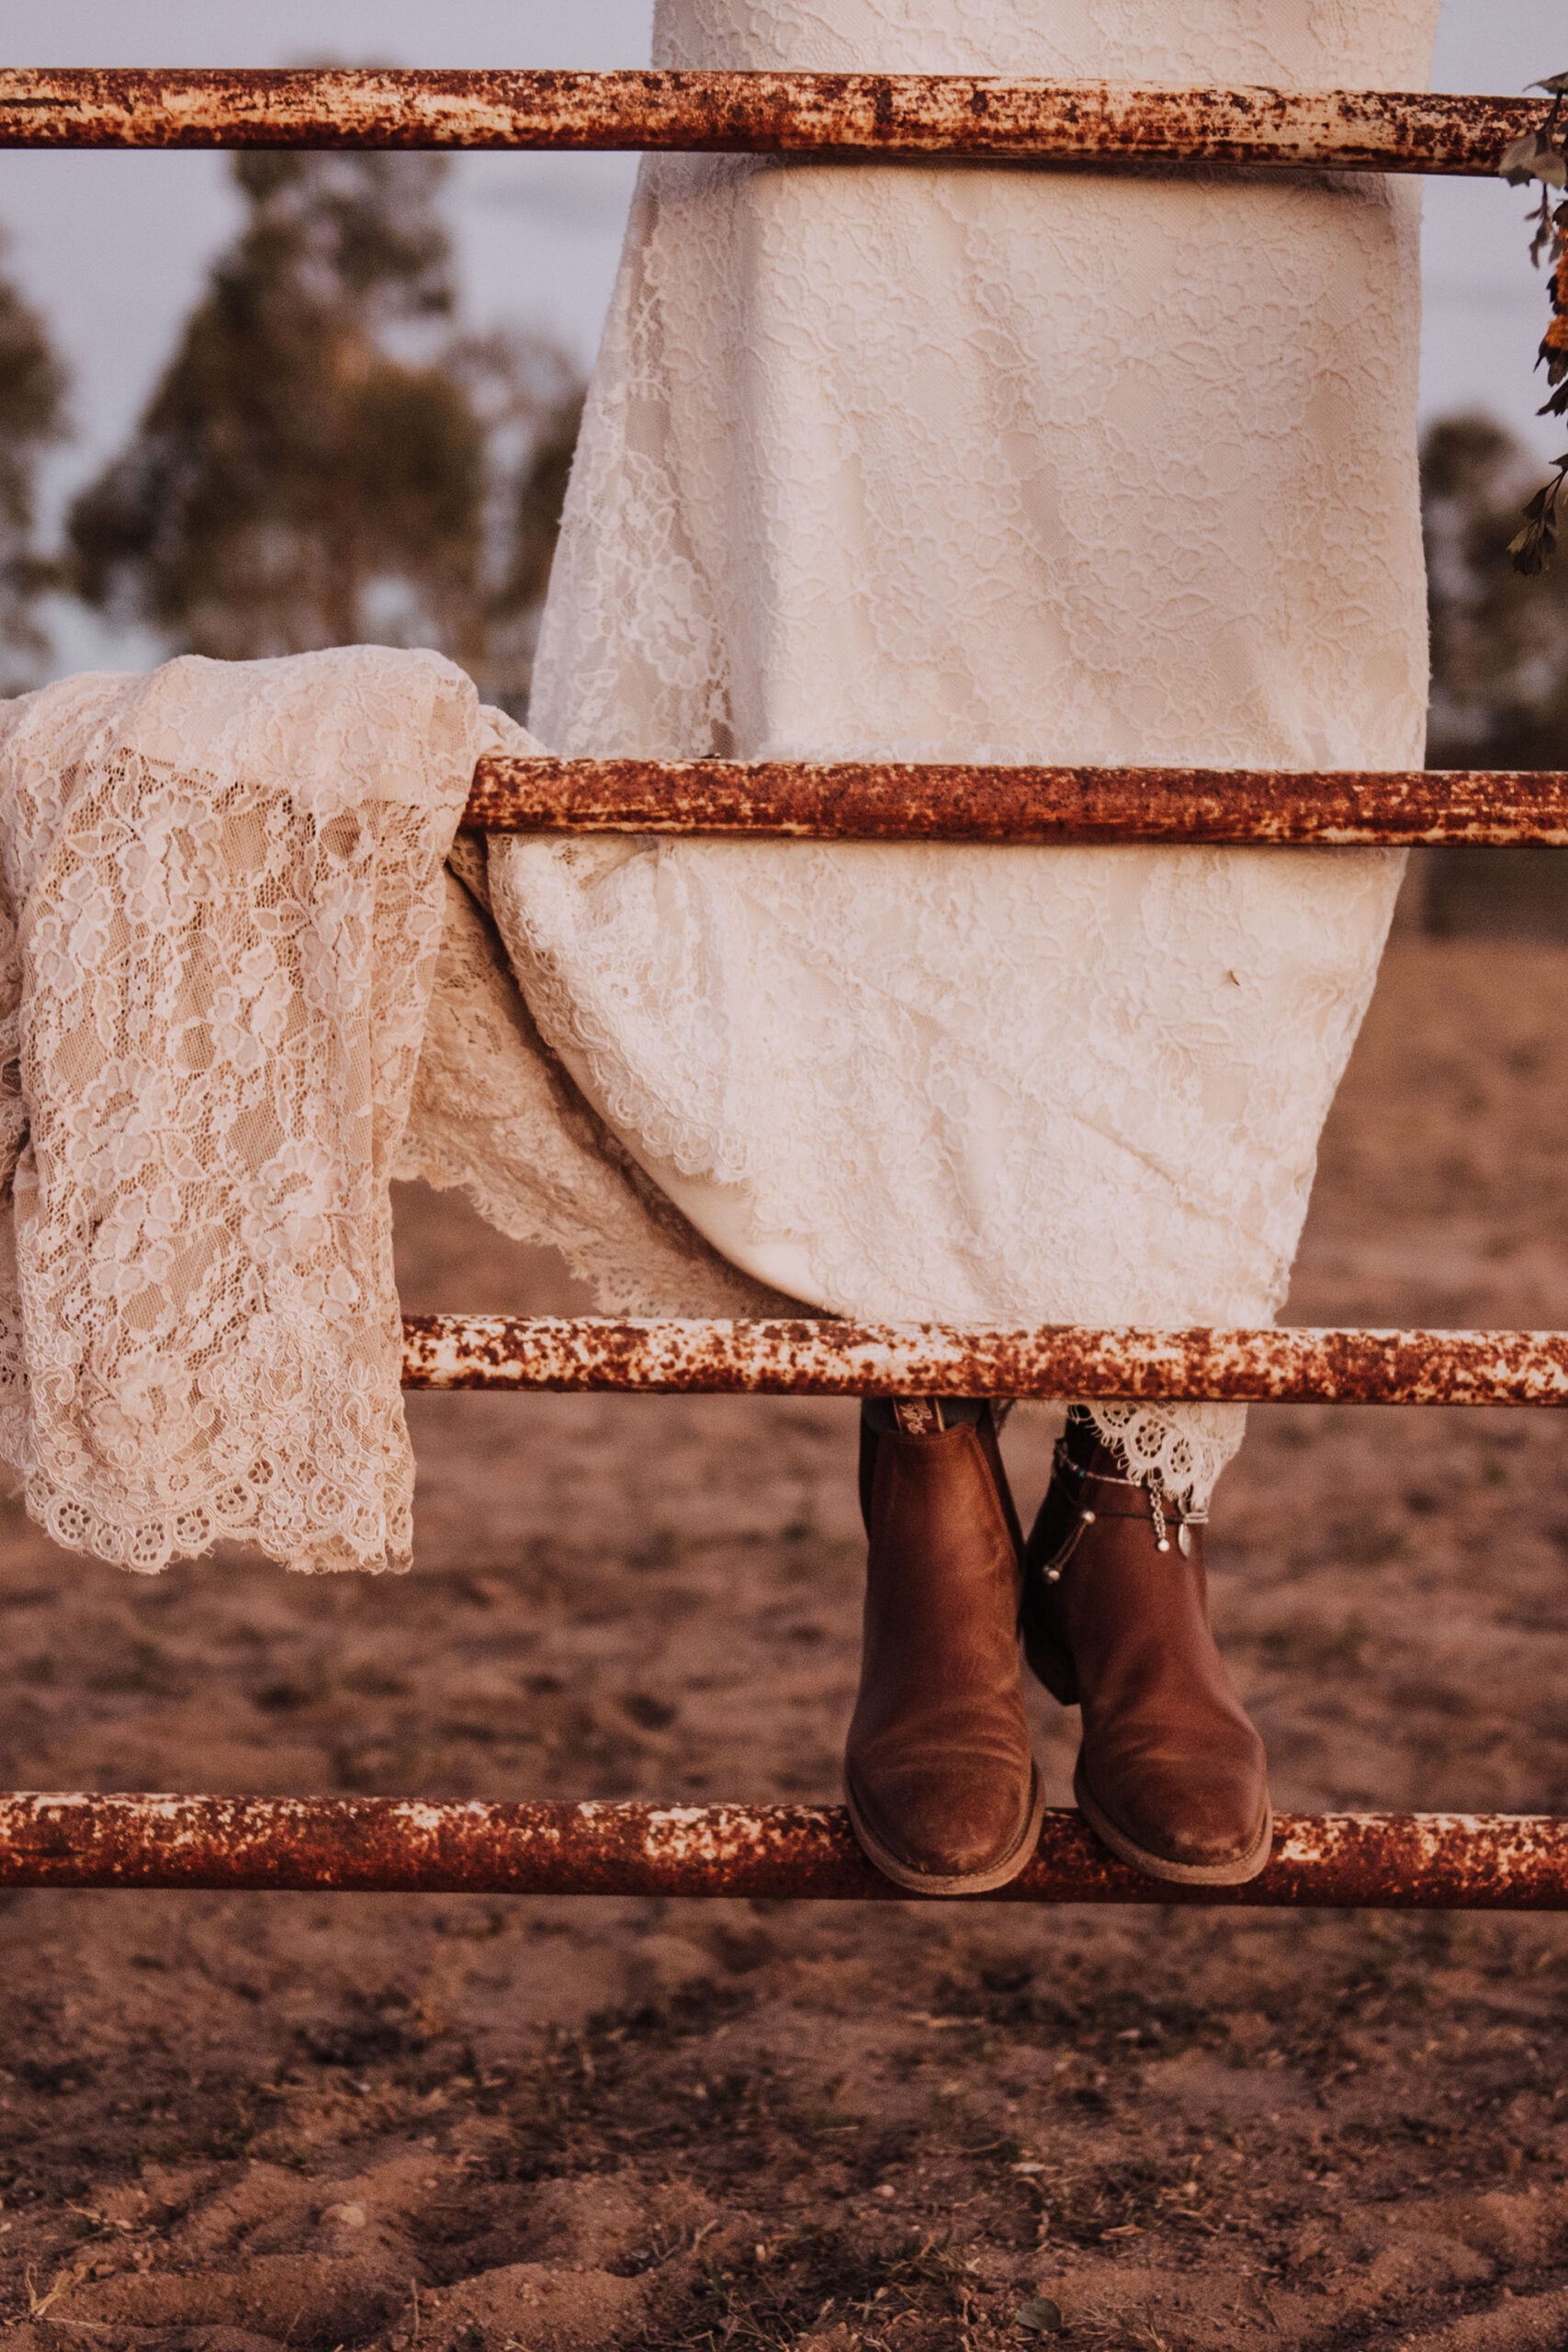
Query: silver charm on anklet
x,y
1152,1487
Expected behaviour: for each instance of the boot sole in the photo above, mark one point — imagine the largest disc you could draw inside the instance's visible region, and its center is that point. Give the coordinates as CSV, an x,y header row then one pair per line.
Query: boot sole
x,y
1233,1874
984,1882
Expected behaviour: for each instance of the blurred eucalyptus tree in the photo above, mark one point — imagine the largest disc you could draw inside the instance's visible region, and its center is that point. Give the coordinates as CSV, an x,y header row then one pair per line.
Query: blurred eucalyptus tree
x,y
1499,638
33,414
1499,672
325,461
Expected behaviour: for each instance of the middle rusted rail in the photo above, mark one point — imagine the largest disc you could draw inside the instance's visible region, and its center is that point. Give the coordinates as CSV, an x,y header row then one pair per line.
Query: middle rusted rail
x,y
782,1852
884,802
829,1357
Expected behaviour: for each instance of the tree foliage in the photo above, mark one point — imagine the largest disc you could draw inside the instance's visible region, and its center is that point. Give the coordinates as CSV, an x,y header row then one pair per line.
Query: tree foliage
x,y
1499,673
1499,638
33,414
324,461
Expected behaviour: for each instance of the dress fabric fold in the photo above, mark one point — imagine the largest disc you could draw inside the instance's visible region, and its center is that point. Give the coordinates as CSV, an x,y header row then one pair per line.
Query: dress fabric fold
x,y
956,462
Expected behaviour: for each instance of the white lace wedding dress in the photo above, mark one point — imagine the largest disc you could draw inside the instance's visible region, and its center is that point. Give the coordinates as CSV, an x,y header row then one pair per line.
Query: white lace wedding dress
x,y
940,461
920,461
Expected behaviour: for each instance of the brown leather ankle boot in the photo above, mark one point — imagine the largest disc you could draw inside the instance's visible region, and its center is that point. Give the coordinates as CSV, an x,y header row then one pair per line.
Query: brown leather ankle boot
x,y
1171,1773
941,1786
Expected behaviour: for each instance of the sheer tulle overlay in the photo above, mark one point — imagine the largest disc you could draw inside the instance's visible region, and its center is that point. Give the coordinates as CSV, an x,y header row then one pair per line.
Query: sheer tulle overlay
x,y
952,462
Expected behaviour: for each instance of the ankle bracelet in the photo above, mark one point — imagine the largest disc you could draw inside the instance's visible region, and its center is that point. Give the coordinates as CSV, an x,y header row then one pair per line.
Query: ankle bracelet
x,y
1064,1466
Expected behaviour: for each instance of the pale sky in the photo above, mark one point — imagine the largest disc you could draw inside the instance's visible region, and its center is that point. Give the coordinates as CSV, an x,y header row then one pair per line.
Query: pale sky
x,y
114,248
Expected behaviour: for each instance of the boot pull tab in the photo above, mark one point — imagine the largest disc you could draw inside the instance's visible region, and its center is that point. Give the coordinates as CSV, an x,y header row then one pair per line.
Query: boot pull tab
x,y
918,1416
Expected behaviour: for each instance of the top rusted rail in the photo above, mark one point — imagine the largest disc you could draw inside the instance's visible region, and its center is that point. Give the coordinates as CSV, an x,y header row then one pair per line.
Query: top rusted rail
x,y
826,115
868,801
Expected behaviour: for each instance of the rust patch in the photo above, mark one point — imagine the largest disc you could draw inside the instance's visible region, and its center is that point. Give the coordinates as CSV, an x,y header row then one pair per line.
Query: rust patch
x,y
831,115
861,800
1461,1861
833,1358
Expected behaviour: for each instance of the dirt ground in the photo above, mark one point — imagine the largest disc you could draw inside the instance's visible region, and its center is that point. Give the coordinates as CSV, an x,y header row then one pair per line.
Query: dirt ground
x,y
241,2123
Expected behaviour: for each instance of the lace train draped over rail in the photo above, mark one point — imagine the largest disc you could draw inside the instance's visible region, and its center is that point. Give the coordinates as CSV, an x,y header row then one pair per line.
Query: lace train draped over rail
x,y
222,905
937,461
237,993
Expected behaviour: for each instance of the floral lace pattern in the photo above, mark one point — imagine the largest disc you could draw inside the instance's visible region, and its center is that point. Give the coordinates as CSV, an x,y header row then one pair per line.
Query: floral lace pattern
x,y
222,906
942,461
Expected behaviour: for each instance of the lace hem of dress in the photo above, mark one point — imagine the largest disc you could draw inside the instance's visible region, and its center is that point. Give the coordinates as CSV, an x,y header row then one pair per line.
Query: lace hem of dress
x,y
1182,1447
279,1502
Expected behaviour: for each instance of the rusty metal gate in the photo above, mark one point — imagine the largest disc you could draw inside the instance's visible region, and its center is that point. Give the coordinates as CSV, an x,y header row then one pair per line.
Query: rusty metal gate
x,y
1502,1862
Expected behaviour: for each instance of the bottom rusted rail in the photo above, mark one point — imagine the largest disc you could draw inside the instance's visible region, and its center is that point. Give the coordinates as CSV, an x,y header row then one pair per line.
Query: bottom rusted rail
x,y
384,1845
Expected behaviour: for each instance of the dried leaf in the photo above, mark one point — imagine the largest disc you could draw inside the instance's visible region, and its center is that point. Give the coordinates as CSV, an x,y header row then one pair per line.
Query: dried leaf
x,y
1535,545
1534,157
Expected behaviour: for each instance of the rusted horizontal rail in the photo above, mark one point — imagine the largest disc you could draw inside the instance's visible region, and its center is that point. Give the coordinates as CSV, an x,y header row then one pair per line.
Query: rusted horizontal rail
x,y
804,114
833,1358
866,800
380,1844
